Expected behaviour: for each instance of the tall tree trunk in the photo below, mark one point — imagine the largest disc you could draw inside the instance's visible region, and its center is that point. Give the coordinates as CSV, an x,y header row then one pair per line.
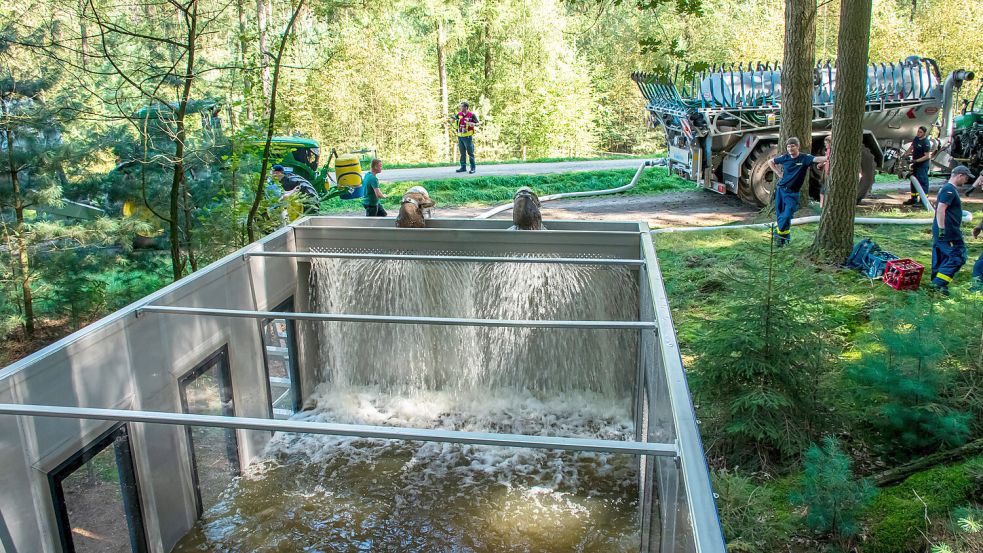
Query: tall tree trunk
x,y
84,47
262,10
797,75
177,266
247,84
188,208
251,219
835,237
487,38
442,72
20,244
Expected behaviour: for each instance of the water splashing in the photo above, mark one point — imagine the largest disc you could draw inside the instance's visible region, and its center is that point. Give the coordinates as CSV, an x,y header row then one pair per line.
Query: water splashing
x,y
432,357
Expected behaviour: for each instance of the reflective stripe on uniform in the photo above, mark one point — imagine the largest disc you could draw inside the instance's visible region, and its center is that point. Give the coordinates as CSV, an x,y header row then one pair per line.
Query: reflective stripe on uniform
x,y
946,278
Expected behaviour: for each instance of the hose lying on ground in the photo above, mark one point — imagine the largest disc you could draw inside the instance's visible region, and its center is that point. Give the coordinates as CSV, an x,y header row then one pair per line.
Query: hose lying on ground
x,y
967,216
634,181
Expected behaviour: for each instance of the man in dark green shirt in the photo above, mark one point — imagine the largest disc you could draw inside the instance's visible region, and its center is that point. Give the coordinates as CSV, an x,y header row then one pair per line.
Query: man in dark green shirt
x,y
371,193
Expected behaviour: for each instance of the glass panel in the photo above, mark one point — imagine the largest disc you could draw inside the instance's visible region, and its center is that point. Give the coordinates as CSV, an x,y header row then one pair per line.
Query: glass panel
x,y
278,341
95,505
215,451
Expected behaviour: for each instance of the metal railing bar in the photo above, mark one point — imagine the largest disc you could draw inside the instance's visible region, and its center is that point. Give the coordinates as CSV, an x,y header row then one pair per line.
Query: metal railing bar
x,y
452,258
519,234
396,319
351,430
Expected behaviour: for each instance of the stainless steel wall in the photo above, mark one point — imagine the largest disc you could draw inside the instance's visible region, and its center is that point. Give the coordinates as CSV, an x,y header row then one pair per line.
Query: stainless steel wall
x,y
129,362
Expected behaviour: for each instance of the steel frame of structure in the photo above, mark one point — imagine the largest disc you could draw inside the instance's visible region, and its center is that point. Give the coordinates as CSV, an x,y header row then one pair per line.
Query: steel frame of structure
x,y
678,511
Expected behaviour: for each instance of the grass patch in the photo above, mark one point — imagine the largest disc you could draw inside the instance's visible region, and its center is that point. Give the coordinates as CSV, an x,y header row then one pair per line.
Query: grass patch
x,y
700,269
427,164
485,191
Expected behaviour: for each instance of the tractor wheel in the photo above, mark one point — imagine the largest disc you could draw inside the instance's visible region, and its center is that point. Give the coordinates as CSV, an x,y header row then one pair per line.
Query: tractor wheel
x,y
758,180
868,168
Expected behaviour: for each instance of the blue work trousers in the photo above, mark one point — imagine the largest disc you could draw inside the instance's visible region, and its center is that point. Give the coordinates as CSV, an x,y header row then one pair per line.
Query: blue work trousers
x,y
947,258
465,145
786,202
921,175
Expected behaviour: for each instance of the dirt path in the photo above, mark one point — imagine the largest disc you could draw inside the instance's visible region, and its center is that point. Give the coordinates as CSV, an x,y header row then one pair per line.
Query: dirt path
x,y
685,208
398,175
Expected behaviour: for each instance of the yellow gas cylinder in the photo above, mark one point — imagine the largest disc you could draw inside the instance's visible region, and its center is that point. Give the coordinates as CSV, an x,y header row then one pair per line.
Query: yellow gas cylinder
x,y
348,171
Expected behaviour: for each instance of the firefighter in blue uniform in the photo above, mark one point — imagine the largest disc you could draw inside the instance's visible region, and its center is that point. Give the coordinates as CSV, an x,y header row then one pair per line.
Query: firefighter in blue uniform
x,y
794,168
948,247
920,151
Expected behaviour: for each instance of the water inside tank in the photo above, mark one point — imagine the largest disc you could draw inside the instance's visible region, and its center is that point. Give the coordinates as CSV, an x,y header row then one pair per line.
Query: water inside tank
x,y
324,493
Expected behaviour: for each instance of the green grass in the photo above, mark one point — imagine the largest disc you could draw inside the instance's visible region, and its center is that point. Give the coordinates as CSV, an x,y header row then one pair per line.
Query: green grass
x,y
699,268
427,164
487,191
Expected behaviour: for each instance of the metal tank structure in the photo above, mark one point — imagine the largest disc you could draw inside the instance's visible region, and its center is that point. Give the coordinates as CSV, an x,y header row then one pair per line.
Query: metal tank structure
x,y
185,373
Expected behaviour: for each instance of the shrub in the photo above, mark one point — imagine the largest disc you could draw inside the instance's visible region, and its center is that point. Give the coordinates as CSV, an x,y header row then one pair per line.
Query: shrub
x,y
760,363
900,383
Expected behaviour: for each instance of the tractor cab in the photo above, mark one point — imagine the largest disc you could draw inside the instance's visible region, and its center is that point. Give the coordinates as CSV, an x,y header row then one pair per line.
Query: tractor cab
x,y
972,112
302,155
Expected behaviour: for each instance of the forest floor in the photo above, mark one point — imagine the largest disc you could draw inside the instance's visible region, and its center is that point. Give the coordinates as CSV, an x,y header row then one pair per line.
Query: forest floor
x,y
694,207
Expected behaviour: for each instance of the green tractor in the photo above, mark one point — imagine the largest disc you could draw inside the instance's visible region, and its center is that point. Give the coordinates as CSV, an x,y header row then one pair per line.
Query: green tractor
x,y
303,156
967,135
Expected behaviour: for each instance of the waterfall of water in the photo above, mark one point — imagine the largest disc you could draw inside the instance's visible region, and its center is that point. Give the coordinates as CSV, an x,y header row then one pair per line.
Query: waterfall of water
x,y
401,358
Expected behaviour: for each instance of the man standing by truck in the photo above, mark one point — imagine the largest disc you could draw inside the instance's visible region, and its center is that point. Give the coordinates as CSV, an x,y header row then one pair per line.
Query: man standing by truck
x,y
920,151
794,168
948,248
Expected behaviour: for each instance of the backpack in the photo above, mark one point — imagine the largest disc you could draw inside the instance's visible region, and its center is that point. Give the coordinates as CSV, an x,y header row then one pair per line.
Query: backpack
x,y
858,258
868,258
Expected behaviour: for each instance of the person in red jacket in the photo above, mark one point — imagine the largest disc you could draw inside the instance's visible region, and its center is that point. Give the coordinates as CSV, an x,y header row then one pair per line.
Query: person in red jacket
x,y
466,123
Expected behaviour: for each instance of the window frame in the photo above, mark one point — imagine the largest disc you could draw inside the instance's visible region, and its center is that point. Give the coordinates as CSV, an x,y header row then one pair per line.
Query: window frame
x,y
127,481
221,356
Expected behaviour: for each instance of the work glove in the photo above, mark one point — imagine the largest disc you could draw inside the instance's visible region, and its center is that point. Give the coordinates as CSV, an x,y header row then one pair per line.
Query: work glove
x,y
941,233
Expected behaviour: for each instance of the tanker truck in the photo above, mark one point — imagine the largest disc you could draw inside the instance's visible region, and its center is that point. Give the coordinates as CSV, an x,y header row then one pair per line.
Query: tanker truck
x,y
722,122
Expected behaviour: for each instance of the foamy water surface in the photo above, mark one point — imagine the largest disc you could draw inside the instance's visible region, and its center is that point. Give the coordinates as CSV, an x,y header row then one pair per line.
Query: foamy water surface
x,y
324,493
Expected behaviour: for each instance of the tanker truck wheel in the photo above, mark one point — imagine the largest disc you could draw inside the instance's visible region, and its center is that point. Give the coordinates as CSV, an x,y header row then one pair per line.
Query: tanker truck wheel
x,y
758,181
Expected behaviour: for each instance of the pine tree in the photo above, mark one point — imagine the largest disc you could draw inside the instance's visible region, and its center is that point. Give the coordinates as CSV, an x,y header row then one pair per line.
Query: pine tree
x,y
762,360
832,497
900,383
